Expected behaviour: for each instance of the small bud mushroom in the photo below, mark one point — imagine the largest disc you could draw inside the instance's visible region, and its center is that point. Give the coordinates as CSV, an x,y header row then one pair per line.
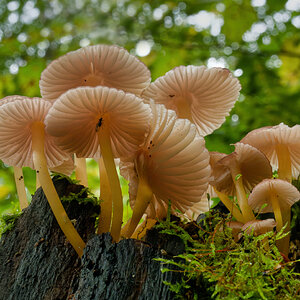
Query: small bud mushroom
x,y
279,195
25,143
100,121
247,166
203,96
171,165
281,145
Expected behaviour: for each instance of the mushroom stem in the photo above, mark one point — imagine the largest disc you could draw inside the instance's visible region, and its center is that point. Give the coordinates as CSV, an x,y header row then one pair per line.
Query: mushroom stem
x,y
105,196
277,210
143,198
37,182
40,164
284,163
241,194
230,206
113,179
141,230
19,179
284,243
80,170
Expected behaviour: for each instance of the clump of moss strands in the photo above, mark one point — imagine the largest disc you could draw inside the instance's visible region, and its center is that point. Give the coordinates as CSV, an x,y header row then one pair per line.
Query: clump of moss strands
x,y
217,267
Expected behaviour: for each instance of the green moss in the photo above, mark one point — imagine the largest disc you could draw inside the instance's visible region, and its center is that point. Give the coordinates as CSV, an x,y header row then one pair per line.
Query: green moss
x,y
8,221
83,197
217,267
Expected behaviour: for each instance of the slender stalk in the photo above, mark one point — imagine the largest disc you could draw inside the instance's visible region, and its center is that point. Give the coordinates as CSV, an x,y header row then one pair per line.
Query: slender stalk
x,y
276,210
284,243
80,170
20,185
105,196
40,164
113,179
230,206
37,182
284,163
143,198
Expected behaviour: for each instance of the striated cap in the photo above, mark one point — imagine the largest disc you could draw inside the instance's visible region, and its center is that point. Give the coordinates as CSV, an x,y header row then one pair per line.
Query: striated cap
x,y
77,115
286,193
16,119
174,161
203,96
253,165
104,65
259,226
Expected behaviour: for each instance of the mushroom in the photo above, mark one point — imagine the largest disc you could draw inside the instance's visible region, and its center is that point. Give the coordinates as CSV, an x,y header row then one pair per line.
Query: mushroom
x,y
171,165
25,143
279,195
247,166
92,121
281,145
203,96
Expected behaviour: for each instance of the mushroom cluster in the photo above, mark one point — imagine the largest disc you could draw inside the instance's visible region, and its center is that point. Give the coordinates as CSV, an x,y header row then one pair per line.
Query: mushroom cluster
x,y
98,102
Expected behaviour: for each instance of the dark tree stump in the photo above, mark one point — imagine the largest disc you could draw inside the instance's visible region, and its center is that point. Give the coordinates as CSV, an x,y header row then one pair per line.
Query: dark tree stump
x,y
36,261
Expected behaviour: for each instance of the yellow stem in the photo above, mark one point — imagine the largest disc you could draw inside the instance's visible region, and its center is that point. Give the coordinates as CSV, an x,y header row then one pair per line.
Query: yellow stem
x,y
141,230
284,163
80,170
40,164
230,206
37,182
113,179
143,198
20,185
276,210
105,196
284,243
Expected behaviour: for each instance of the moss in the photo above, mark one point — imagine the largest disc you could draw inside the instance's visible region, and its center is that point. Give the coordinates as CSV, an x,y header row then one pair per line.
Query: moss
x,y
8,221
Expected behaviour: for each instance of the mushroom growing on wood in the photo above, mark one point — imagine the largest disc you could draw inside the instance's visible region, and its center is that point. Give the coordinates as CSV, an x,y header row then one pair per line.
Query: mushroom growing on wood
x,y
247,167
281,145
171,165
25,143
203,96
100,121
279,195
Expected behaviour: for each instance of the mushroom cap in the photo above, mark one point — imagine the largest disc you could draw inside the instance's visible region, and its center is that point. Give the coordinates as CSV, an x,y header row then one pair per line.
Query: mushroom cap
x,y
253,164
66,167
204,96
12,98
259,226
76,116
16,119
175,162
287,195
105,65
266,138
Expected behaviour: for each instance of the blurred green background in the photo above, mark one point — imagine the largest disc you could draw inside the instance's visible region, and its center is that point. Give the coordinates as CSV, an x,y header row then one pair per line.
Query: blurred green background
x,y
258,40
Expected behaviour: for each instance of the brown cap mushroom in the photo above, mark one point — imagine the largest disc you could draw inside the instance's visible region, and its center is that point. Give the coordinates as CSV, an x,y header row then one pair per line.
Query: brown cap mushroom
x,y
86,119
24,143
247,166
104,65
259,226
281,145
172,165
279,195
204,96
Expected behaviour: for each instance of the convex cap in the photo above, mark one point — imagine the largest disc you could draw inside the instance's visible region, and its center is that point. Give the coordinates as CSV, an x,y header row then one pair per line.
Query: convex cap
x,y
103,65
204,96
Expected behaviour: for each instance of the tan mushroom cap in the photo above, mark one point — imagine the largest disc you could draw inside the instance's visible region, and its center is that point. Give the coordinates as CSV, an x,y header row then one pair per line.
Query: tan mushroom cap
x,y
259,226
267,138
204,96
9,99
175,162
16,119
66,167
286,193
253,164
103,65
75,117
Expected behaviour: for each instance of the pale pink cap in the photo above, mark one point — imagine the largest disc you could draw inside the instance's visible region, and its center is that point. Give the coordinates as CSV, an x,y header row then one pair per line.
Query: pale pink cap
x,y
77,115
204,96
104,65
266,138
259,226
286,193
16,119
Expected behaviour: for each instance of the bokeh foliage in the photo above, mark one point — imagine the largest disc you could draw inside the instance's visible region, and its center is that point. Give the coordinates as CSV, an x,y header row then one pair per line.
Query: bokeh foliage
x,y
258,40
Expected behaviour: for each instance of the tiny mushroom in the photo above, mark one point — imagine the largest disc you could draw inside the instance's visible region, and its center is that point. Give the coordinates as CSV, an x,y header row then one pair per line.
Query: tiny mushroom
x,y
247,167
171,165
24,142
281,145
203,96
102,121
279,195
